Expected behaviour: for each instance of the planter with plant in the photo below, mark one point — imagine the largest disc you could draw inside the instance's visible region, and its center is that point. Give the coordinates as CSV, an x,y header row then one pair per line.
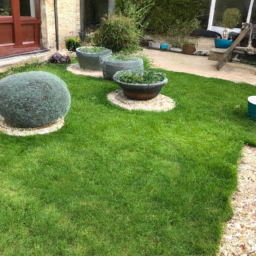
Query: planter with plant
x,y
112,64
189,47
139,84
89,57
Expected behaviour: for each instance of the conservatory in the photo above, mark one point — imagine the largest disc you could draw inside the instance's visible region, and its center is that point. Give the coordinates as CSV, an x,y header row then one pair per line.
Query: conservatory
x,y
234,11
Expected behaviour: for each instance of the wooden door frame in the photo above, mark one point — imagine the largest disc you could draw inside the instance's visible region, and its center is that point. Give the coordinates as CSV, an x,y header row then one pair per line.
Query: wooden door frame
x,y
21,27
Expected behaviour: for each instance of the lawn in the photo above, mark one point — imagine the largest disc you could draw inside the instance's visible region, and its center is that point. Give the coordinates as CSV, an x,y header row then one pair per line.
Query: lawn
x,y
119,182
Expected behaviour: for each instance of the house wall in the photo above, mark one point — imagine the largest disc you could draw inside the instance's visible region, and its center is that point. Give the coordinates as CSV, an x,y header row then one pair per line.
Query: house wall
x,y
68,22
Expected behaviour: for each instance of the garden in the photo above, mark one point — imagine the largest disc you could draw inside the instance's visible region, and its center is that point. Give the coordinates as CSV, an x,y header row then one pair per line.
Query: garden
x,y
113,181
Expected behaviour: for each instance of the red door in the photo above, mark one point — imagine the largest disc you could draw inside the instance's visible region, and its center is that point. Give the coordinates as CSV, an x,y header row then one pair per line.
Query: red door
x,y
19,26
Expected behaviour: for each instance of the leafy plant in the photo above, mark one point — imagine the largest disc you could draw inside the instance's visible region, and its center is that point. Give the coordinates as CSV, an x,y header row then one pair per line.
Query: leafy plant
x,y
189,42
138,11
165,14
141,77
117,33
72,43
92,49
231,17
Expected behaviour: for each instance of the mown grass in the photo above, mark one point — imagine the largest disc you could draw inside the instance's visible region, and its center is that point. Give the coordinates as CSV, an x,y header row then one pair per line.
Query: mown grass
x,y
119,182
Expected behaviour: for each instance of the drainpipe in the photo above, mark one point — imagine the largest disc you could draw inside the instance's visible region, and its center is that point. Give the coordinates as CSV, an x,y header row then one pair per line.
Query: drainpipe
x,y
56,24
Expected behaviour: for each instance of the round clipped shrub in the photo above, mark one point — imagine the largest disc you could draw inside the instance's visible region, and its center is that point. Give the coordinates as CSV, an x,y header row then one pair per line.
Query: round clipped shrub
x,y
33,99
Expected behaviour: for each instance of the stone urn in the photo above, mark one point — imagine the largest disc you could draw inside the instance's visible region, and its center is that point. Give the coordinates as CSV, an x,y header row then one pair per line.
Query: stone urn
x,y
112,64
139,91
89,57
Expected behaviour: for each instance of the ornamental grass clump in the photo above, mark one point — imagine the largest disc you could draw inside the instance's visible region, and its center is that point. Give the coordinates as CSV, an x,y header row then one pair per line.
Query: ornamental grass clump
x,y
142,77
117,33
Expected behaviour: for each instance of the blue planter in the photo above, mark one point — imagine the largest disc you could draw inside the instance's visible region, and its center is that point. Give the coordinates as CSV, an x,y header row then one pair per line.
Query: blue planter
x,y
164,47
222,43
252,107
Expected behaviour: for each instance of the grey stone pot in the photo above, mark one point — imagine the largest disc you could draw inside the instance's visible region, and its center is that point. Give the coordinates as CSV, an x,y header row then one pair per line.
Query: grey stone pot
x,y
110,65
91,61
139,91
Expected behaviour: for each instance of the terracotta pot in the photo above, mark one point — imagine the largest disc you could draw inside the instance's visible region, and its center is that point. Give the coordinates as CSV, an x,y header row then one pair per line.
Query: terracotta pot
x,y
188,48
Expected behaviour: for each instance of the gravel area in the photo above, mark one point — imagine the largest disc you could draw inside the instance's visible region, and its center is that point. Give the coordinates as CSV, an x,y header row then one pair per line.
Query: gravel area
x,y
53,127
239,237
159,103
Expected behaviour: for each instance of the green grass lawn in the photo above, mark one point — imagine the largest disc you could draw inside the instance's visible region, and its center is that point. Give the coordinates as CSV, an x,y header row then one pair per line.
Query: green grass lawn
x,y
119,182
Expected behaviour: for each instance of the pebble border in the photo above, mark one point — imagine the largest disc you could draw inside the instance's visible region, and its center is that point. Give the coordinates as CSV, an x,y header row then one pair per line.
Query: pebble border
x,y
13,131
159,103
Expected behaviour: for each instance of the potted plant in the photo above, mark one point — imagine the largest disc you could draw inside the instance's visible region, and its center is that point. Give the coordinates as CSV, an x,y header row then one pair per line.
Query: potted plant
x,y
230,18
188,47
111,64
89,56
139,84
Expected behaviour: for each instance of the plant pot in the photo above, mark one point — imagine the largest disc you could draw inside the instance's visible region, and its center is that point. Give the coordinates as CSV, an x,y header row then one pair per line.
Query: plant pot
x,y
91,61
252,107
222,43
110,65
188,48
139,91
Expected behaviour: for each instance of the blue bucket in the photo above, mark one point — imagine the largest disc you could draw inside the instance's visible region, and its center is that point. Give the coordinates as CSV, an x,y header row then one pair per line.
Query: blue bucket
x,y
222,43
252,107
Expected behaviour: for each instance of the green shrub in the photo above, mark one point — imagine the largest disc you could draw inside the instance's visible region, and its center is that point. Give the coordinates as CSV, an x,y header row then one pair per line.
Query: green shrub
x,y
136,10
231,18
179,31
72,43
166,12
117,33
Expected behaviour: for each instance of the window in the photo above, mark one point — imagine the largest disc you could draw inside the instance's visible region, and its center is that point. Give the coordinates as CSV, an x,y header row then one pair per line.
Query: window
x,y
5,8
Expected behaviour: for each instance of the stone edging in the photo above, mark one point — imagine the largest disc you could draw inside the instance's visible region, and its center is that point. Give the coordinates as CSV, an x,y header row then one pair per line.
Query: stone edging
x,y
159,103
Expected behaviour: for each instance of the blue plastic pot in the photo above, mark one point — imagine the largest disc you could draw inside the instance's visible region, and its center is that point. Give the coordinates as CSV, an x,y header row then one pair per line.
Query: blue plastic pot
x,y
164,47
222,43
252,107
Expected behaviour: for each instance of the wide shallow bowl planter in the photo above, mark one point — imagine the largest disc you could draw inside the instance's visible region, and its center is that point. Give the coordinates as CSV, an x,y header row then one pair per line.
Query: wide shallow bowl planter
x,y
222,43
188,48
91,61
139,91
110,65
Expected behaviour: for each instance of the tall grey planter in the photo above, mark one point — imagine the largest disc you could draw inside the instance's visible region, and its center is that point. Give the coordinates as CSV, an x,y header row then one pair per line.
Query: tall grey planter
x,y
91,61
110,65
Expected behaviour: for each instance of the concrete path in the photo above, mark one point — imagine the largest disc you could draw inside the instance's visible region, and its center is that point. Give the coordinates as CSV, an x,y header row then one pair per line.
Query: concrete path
x,y
200,65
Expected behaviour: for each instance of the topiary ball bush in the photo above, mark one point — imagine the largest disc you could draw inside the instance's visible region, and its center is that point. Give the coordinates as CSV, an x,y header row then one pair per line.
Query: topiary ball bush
x,y
33,99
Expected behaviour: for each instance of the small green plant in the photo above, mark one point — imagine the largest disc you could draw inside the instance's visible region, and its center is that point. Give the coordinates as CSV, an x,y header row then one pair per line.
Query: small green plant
x,y
191,42
142,77
72,43
117,33
231,17
92,49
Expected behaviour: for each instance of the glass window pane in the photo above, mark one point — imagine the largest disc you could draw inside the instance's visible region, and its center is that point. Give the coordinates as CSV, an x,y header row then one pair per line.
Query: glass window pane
x,y
224,5
253,17
5,8
27,8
